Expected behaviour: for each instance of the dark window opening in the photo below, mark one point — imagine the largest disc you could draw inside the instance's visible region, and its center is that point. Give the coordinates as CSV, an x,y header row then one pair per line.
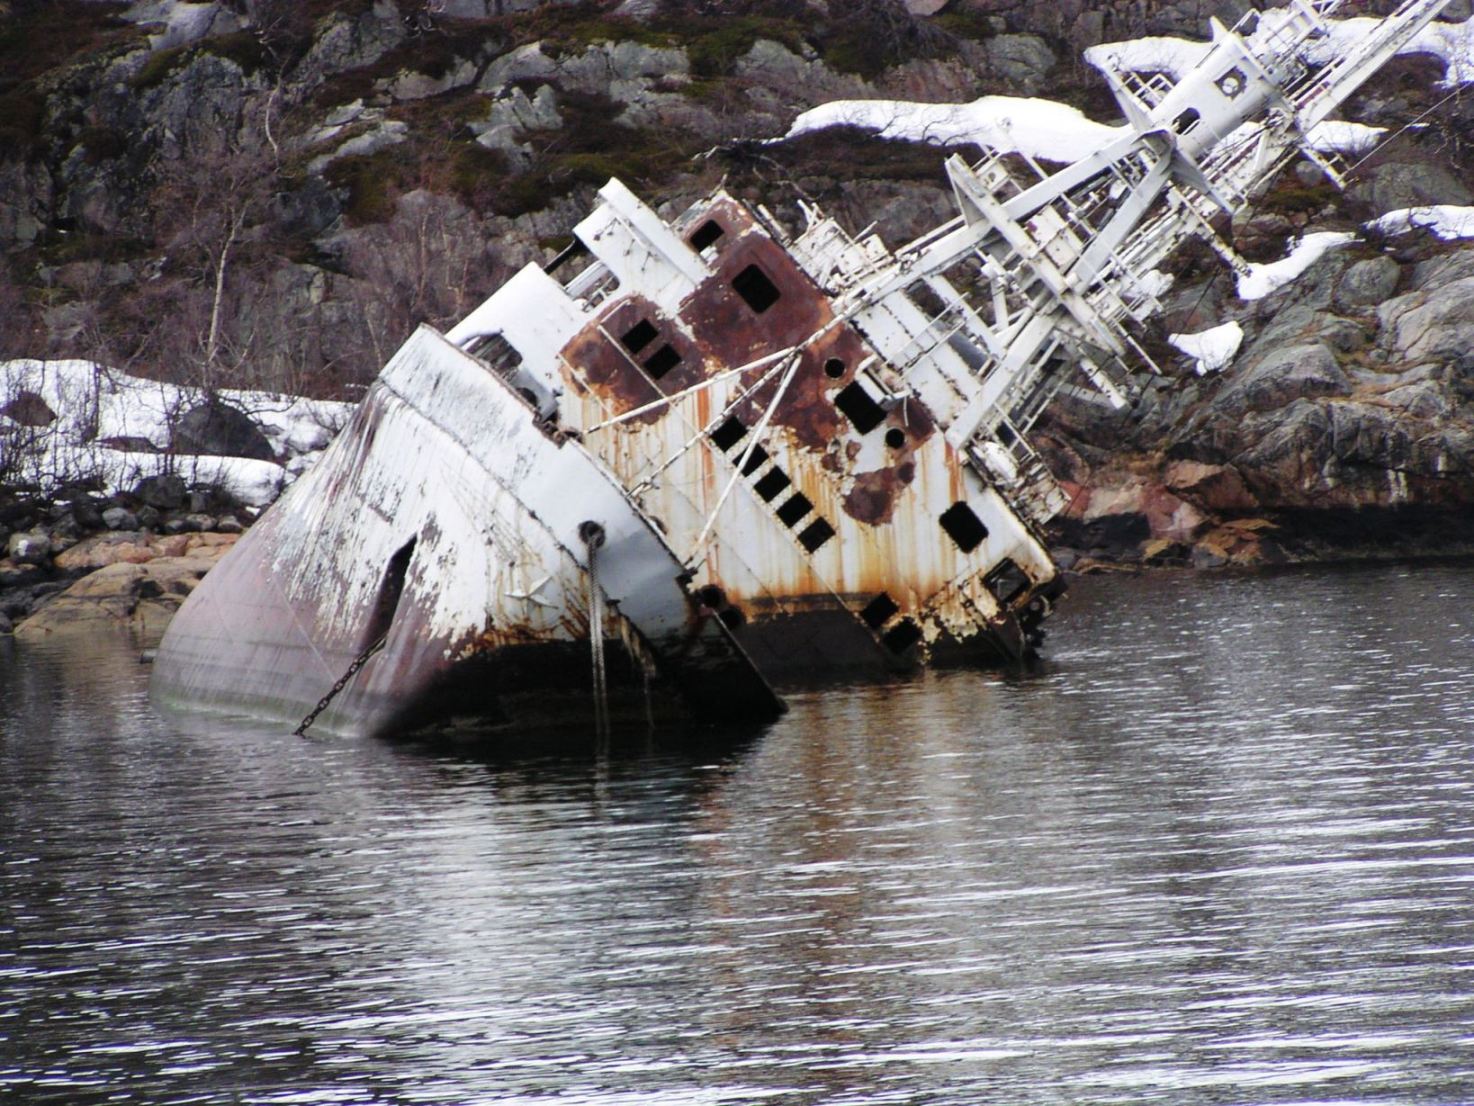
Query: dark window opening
x,y
895,437
1007,582
771,484
1232,83
963,526
639,336
575,248
755,460
733,618
497,352
728,434
901,636
392,587
794,508
856,403
878,611
834,368
815,534
1186,121
753,285
662,361
706,235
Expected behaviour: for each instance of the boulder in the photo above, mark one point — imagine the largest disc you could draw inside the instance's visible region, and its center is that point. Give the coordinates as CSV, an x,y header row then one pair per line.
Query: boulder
x,y
119,518
218,429
134,547
123,596
1395,185
28,548
1436,323
1217,488
28,409
1368,283
163,493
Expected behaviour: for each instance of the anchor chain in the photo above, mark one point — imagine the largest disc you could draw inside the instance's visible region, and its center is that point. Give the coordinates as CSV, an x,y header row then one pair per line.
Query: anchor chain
x,y
322,704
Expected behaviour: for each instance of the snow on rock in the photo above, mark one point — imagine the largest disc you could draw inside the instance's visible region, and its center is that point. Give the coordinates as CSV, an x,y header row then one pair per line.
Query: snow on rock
x,y
1212,349
1261,280
117,429
1446,221
1008,124
1452,43
1336,136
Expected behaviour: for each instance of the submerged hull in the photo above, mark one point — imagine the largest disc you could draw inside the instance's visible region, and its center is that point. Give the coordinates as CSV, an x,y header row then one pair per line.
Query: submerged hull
x,y
415,528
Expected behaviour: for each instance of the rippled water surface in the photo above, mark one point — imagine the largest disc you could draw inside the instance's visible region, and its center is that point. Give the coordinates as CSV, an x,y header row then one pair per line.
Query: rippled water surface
x,y
1220,850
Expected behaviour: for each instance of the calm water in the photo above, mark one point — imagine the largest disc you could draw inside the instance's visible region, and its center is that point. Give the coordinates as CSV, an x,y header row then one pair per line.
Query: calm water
x,y
1221,850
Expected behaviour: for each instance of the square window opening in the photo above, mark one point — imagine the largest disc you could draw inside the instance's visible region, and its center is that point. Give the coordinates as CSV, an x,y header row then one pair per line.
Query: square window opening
x,y
773,482
706,235
963,526
753,285
1007,582
902,636
662,361
756,460
859,407
639,336
729,433
815,534
878,611
794,508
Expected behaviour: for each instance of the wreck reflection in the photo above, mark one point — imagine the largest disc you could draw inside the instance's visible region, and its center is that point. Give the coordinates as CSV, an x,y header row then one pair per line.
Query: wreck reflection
x,y
1217,848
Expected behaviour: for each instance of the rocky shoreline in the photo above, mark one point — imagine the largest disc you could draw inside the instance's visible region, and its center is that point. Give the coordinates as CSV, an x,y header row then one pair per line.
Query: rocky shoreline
x,y
79,561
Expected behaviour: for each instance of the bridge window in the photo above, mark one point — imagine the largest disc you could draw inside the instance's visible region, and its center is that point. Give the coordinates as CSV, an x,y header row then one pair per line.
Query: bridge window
x,y
706,235
753,285
662,361
639,336
858,405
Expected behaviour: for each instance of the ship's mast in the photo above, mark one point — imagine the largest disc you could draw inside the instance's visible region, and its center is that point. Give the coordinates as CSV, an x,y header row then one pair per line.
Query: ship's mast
x,y
991,314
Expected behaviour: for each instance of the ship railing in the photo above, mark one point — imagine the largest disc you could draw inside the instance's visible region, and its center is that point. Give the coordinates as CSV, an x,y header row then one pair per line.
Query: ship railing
x,y
1014,468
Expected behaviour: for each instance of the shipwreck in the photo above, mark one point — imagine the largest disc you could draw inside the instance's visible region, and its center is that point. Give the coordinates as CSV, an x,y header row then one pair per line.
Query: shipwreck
x,y
688,463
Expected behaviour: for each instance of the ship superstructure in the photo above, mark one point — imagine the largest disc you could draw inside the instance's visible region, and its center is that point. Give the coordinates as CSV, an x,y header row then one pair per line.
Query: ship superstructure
x,y
690,461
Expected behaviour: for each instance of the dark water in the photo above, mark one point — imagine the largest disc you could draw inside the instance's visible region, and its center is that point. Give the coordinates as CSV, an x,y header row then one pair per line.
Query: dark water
x,y
1220,851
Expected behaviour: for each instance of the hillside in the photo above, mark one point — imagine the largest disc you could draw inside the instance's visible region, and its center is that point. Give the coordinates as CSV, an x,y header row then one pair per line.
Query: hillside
x,y
269,195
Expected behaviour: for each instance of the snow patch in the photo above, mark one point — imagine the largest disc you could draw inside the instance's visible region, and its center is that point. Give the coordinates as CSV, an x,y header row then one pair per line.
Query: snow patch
x,y
1211,349
116,429
1451,43
1261,280
1446,221
1009,124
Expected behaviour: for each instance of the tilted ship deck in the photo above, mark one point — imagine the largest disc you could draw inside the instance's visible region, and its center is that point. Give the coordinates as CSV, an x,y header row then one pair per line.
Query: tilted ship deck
x,y
692,462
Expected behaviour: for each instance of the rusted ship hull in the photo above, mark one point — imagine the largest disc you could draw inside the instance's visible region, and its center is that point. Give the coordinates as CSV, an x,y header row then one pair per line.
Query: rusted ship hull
x,y
715,458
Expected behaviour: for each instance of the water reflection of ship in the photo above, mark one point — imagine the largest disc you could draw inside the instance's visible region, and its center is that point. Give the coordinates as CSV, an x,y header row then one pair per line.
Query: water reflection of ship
x,y
691,461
